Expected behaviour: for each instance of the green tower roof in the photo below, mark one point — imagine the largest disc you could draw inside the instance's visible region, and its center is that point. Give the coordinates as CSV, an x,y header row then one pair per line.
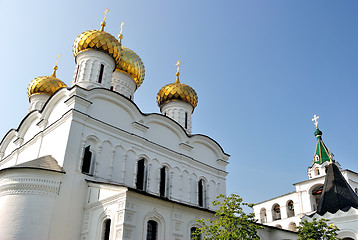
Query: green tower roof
x,y
322,154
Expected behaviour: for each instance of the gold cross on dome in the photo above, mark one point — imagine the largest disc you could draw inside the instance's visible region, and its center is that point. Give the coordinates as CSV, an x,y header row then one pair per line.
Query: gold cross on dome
x,y
58,56
315,120
121,28
177,64
105,14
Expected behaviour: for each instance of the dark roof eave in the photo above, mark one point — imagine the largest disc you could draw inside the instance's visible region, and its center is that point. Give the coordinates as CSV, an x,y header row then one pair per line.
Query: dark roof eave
x,y
152,195
33,168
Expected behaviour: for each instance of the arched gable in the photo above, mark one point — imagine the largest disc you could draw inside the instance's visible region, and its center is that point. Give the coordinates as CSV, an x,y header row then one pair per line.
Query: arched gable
x,y
164,131
29,128
55,106
7,144
112,108
34,122
206,150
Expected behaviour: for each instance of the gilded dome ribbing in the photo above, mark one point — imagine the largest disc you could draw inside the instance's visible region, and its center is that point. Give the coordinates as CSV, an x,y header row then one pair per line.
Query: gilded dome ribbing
x,y
177,91
45,85
98,40
131,64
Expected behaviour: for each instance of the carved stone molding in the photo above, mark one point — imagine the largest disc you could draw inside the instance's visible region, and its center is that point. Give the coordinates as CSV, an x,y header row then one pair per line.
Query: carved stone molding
x,y
29,185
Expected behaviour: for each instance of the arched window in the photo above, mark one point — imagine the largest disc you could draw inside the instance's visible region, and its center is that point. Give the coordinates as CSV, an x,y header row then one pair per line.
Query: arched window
x,y
290,209
263,218
276,212
87,159
316,194
292,227
152,228
100,76
201,193
316,171
141,175
163,185
106,229
192,235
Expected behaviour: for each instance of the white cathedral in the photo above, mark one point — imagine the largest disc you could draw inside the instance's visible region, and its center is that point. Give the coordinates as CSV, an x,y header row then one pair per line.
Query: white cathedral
x,y
86,163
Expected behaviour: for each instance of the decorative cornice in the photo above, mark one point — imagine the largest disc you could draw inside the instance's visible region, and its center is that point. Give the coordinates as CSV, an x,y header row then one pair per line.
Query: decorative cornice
x,y
29,186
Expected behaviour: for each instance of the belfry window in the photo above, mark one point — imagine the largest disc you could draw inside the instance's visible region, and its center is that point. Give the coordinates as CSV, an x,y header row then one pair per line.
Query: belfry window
x,y
106,229
186,120
290,209
163,187
141,175
316,193
100,74
201,193
152,228
86,162
276,212
263,218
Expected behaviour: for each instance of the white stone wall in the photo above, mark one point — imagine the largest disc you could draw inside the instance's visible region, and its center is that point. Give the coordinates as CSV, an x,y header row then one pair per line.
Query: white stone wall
x,y
274,234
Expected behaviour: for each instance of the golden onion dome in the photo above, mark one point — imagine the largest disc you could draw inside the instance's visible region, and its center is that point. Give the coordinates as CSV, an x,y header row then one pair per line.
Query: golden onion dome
x,y
131,64
98,40
177,91
45,85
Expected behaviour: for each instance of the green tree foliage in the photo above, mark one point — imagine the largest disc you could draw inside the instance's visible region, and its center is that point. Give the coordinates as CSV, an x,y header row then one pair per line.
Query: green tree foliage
x,y
317,230
231,222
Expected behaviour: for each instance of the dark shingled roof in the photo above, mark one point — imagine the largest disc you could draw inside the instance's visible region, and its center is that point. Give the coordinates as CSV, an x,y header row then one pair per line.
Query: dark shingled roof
x,y
44,163
337,194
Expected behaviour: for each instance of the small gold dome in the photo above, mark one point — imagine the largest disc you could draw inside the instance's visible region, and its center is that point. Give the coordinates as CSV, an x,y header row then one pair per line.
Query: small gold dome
x,y
177,91
99,40
45,85
131,64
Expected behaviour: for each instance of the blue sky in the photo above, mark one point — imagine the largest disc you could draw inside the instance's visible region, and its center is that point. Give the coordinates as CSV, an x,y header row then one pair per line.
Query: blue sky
x,y
261,69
